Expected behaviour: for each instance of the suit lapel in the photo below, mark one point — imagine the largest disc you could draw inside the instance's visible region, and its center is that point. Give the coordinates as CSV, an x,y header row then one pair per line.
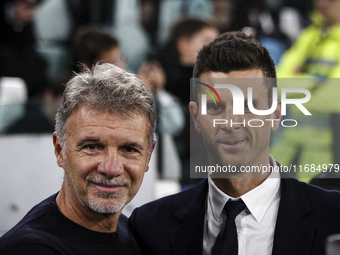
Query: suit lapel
x,y
292,235
187,237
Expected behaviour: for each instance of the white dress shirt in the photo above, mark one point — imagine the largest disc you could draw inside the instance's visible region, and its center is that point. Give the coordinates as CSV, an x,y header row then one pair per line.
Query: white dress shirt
x,y
255,225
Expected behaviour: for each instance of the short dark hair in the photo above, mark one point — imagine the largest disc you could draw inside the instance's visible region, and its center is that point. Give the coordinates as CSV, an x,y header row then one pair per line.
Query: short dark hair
x,y
91,41
188,27
234,51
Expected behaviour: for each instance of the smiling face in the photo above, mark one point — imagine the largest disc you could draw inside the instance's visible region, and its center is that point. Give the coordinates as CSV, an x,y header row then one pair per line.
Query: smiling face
x,y
236,144
105,158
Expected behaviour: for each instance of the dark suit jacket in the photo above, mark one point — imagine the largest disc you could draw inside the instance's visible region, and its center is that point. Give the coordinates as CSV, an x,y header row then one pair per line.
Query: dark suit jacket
x,y
174,225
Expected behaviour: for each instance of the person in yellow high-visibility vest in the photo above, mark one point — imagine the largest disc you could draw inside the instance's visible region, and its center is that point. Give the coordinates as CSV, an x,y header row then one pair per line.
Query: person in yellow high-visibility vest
x,y
315,56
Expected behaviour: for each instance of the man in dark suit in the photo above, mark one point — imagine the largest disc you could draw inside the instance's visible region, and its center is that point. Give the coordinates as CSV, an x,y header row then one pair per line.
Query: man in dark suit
x,y
276,214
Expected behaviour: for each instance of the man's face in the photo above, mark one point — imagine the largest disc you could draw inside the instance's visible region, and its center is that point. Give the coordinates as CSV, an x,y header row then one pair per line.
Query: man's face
x,y
236,144
105,158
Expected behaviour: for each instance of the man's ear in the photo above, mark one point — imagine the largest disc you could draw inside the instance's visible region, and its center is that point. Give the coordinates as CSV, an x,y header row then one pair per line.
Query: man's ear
x,y
194,114
277,116
150,153
58,150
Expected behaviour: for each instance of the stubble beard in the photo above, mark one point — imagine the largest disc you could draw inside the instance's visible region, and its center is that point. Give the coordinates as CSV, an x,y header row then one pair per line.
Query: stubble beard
x,y
100,202
107,203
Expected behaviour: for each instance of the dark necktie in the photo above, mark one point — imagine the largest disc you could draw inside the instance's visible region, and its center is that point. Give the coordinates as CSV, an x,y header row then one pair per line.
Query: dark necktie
x,y
226,242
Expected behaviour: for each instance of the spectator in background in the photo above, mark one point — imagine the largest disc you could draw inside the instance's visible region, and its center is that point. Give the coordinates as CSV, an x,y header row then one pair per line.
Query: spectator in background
x,y
94,43
171,117
149,15
40,113
178,58
315,55
18,57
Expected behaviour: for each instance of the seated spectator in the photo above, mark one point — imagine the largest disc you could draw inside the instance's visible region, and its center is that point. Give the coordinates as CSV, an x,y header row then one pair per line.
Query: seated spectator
x,y
40,113
18,57
171,117
177,58
93,43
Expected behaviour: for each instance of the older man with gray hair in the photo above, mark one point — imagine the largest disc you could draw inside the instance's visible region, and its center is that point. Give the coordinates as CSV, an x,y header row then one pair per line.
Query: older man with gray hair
x,y
103,141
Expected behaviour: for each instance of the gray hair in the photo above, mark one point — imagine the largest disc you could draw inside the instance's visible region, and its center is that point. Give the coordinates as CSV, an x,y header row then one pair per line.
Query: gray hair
x,y
109,89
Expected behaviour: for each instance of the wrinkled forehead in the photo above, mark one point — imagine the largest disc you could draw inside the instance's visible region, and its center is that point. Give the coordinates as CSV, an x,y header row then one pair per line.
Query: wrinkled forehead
x,y
90,111
88,121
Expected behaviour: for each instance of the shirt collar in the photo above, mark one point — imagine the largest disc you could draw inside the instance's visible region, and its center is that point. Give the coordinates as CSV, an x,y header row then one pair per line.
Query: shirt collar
x,y
257,200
